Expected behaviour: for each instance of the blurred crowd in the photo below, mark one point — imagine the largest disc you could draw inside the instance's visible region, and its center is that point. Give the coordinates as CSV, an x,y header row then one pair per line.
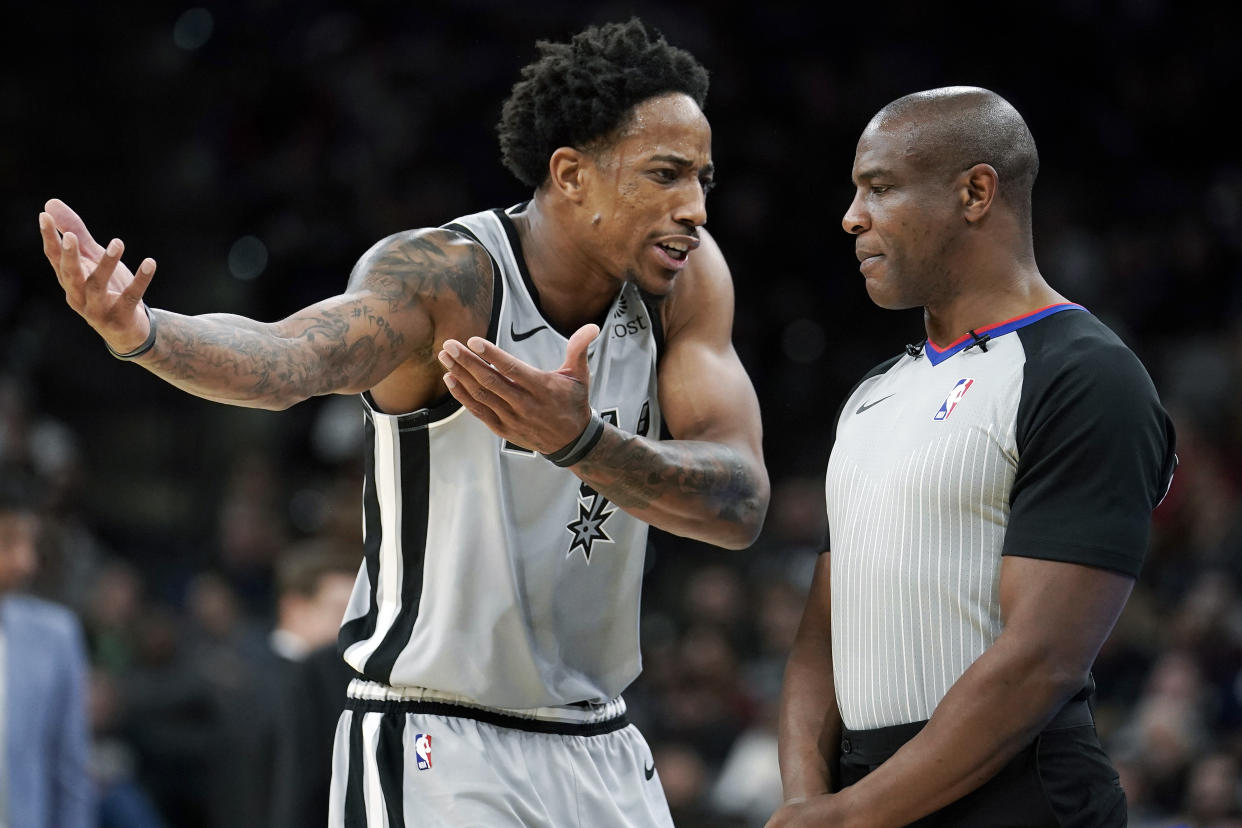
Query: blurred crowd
x,y
256,149
185,665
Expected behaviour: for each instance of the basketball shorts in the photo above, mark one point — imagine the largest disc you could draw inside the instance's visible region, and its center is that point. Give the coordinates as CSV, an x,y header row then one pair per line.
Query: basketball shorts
x,y
415,758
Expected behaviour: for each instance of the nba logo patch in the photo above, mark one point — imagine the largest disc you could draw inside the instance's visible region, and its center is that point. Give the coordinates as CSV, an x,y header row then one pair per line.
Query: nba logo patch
x,y
955,397
422,751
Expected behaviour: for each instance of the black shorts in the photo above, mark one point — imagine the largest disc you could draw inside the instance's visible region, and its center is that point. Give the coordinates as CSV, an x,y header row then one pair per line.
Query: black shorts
x,y
1061,780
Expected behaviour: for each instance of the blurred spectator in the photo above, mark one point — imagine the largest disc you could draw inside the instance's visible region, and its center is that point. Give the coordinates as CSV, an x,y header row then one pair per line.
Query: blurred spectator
x,y
685,778
113,615
251,529
165,711
1212,793
264,755
44,779
47,450
314,585
123,801
1169,729
312,700
748,787
776,615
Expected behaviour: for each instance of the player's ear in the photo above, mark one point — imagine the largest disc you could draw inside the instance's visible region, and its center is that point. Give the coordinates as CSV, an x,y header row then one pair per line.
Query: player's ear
x,y
977,190
567,172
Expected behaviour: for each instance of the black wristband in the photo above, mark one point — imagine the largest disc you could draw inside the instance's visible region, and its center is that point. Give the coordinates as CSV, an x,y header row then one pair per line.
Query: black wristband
x,y
147,344
578,448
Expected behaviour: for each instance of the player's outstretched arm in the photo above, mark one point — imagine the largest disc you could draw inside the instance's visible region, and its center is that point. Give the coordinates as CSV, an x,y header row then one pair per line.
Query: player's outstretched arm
x,y
344,344
709,483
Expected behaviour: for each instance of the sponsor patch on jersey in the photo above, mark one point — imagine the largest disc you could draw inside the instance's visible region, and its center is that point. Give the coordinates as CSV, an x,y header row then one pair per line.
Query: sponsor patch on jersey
x,y
955,397
422,751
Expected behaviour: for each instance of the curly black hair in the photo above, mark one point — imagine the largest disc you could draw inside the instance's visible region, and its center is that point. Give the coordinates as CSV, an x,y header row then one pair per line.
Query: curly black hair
x,y
581,91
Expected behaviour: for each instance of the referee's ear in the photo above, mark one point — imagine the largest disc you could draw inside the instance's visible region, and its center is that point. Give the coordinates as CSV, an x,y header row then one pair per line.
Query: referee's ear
x,y
977,189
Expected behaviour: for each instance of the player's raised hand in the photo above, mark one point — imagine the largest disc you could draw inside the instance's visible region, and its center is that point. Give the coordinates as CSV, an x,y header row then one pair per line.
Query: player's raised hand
x,y
539,410
97,285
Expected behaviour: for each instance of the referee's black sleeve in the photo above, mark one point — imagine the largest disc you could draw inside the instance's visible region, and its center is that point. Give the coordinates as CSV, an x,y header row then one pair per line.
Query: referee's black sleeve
x,y
1095,449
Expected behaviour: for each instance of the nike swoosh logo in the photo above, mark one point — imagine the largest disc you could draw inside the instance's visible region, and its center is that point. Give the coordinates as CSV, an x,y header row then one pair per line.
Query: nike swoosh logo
x,y
648,771
518,337
865,406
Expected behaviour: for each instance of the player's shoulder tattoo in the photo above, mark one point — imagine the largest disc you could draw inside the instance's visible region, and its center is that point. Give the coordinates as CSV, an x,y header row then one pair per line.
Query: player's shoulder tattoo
x,y
426,265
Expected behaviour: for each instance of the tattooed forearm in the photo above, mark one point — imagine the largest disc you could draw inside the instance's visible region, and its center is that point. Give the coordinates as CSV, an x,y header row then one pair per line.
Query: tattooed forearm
x,y
341,345
236,360
706,488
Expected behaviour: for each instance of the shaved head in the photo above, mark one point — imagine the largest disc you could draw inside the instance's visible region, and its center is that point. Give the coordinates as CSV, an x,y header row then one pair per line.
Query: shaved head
x,y
951,129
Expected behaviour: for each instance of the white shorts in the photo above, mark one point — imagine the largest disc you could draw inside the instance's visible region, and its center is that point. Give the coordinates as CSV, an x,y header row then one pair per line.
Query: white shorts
x,y
408,758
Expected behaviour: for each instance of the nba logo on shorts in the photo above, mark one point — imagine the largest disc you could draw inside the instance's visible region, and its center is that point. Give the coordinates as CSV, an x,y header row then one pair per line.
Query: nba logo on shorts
x,y
422,751
955,397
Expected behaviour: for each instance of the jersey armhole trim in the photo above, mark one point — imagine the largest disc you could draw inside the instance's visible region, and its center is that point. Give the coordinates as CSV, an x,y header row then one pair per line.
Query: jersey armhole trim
x,y
423,417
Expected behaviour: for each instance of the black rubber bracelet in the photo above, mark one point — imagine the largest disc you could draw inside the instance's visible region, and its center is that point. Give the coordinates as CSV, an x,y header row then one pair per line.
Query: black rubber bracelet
x,y
577,449
147,345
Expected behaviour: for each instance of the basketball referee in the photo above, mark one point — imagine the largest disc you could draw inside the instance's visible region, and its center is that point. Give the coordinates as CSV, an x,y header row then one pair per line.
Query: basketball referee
x,y
989,498
514,368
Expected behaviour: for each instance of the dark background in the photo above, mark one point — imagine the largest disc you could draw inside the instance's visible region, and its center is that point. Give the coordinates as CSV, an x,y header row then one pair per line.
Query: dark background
x,y
257,149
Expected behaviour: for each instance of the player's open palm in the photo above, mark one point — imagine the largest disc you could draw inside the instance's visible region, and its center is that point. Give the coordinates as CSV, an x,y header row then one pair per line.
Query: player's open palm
x,y
540,410
97,285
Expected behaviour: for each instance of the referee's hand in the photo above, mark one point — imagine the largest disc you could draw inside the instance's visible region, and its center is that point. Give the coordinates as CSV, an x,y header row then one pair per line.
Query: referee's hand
x,y
812,812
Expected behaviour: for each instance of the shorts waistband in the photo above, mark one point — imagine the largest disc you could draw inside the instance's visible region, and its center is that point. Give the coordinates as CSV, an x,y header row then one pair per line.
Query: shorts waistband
x,y
871,747
581,719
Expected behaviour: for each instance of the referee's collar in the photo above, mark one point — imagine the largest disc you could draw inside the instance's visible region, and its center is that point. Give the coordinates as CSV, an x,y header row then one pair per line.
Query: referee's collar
x,y
981,336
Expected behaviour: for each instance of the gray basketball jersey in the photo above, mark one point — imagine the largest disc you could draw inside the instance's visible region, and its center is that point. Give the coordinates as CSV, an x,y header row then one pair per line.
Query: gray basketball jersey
x,y
1046,441
490,573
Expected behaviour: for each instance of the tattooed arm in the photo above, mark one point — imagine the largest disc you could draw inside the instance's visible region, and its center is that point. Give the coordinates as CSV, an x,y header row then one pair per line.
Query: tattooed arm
x,y
709,482
380,334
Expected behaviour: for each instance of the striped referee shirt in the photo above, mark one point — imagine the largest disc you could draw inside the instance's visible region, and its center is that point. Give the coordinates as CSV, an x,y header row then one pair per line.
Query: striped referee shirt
x,y
1047,441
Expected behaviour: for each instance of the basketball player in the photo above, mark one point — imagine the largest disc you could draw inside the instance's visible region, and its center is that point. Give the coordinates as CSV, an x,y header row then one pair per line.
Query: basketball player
x,y
989,500
495,616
